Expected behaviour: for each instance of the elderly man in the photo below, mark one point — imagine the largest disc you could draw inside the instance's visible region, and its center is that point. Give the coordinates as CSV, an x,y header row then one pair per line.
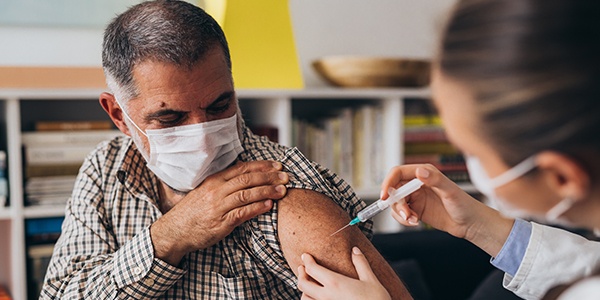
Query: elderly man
x,y
191,204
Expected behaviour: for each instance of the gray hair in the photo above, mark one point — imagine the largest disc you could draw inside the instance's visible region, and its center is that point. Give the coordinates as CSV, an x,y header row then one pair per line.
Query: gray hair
x,y
166,31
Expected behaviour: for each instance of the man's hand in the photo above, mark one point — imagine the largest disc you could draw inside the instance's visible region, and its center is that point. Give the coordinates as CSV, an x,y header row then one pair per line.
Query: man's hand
x,y
211,211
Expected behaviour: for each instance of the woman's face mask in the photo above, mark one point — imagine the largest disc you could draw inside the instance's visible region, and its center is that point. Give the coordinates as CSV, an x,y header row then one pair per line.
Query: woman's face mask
x,y
183,156
487,186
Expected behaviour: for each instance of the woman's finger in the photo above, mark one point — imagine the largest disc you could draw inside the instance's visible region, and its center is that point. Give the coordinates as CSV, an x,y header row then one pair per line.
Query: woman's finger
x,y
306,297
317,272
361,264
402,212
395,176
306,285
434,179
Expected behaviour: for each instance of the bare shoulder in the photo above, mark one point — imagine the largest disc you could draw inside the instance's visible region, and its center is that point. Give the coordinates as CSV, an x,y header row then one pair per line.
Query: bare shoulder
x,y
305,223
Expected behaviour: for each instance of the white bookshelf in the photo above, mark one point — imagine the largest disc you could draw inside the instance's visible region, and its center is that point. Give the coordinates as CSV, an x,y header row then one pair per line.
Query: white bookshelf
x,y
264,107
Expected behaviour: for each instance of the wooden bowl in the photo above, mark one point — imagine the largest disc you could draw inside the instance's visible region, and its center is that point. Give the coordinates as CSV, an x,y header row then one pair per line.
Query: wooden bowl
x,y
364,71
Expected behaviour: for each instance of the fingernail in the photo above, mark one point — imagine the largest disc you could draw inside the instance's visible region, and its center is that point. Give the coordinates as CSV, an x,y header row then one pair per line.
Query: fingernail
x,y
402,214
302,257
280,189
356,251
422,172
268,203
413,220
283,176
277,165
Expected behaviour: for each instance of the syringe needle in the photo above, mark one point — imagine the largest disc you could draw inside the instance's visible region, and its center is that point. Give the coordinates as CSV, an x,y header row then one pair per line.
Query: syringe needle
x,y
340,229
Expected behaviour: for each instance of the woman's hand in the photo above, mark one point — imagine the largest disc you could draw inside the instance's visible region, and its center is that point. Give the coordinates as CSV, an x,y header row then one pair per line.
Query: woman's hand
x,y
318,282
443,205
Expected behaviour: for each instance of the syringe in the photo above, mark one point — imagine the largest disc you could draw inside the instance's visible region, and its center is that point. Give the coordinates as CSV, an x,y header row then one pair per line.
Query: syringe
x,y
380,205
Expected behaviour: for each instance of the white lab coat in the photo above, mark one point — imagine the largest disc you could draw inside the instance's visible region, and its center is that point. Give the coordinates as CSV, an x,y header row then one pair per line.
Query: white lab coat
x,y
555,257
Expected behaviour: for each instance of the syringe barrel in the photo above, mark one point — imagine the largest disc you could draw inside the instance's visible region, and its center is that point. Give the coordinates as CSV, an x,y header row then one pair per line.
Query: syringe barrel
x,y
371,210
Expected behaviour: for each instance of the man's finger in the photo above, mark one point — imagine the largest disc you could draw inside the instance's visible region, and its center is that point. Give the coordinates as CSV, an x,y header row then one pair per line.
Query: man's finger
x,y
244,197
242,214
248,167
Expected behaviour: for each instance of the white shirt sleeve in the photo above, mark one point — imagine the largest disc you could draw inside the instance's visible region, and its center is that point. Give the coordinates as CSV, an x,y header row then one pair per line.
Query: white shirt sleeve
x,y
553,257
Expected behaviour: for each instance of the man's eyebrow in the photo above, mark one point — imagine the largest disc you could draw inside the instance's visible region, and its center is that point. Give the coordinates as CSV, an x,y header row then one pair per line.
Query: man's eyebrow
x,y
168,111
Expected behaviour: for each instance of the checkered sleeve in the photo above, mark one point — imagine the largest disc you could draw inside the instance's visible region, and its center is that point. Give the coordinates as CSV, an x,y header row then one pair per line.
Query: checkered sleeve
x,y
89,262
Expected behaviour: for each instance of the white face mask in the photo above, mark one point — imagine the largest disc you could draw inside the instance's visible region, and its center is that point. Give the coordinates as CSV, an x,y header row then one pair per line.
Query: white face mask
x,y
487,186
183,156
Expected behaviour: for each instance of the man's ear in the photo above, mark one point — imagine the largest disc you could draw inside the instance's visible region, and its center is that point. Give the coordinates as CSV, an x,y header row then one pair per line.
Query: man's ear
x,y
563,174
114,111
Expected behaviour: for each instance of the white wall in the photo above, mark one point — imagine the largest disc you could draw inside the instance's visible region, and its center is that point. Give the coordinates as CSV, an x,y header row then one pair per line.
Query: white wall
x,y
322,27
407,28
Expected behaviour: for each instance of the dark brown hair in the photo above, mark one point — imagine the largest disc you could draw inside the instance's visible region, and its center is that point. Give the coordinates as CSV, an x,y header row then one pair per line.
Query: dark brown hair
x,y
533,67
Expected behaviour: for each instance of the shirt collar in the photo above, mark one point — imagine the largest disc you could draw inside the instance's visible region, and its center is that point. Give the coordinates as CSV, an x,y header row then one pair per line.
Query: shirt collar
x,y
134,175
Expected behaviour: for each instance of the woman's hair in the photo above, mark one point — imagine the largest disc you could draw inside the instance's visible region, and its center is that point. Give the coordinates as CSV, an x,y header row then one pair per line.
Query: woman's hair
x,y
533,67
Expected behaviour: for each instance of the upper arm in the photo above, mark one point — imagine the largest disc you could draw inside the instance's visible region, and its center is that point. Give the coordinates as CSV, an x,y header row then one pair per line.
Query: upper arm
x,y
306,221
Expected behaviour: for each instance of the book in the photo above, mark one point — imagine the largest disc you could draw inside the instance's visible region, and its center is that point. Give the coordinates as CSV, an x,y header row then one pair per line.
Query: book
x,y
51,190
38,258
3,180
43,226
420,120
425,133
80,137
345,158
72,125
51,170
429,148
56,154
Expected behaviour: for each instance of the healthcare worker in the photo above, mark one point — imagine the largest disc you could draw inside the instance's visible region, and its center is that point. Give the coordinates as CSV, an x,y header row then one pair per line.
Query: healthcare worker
x,y
517,85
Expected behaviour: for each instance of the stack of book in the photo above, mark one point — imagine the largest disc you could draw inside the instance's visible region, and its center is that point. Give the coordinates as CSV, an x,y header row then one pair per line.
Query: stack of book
x,y
53,155
347,143
425,141
3,180
41,237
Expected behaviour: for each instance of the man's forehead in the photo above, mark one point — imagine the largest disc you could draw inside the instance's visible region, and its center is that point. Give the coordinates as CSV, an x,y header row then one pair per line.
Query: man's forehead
x,y
166,85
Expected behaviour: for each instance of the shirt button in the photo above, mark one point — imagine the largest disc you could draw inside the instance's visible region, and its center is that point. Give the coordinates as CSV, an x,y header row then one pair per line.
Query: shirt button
x,y
137,271
149,281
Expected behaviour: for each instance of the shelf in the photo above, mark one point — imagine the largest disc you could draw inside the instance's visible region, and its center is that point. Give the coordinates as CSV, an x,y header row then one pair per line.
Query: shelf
x,y
44,211
350,93
50,94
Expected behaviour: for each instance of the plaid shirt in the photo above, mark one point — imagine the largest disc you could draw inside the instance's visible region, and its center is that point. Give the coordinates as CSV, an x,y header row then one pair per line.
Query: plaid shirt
x,y
105,251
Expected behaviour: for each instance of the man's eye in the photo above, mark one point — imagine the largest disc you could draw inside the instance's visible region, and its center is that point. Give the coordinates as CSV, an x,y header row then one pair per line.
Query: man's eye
x,y
169,120
219,109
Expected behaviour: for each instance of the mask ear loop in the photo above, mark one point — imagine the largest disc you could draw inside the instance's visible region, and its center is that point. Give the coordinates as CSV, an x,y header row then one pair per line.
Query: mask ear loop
x,y
559,209
514,173
129,118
